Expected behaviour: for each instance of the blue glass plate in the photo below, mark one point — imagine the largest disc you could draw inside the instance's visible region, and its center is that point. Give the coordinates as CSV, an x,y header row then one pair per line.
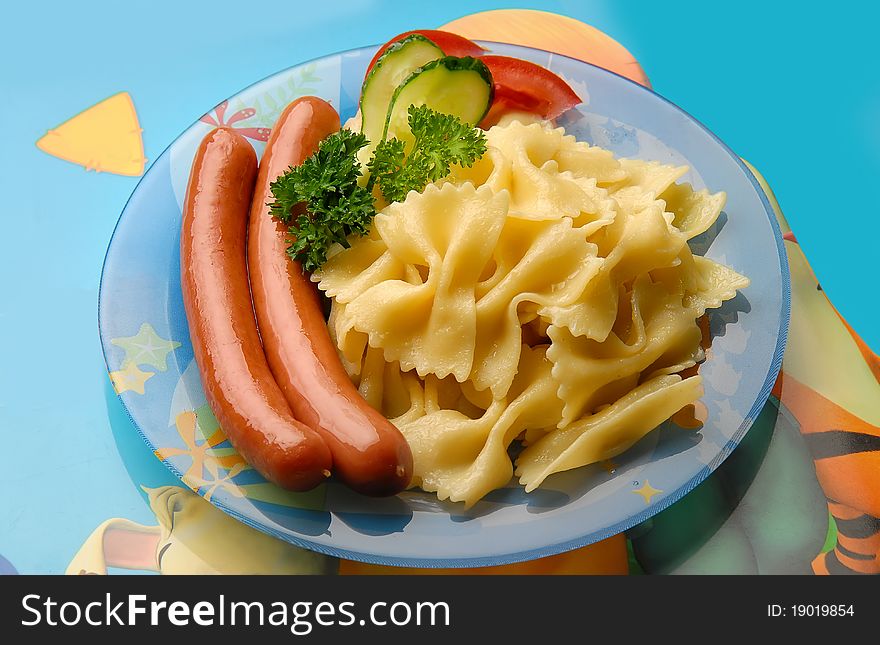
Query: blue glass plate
x,y
148,353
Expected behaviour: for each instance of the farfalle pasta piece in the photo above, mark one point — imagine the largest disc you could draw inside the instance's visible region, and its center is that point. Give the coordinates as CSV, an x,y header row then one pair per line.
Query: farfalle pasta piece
x,y
448,235
492,170
608,433
543,143
651,177
703,283
593,373
463,458
714,283
634,244
350,344
349,272
546,264
693,211
548,174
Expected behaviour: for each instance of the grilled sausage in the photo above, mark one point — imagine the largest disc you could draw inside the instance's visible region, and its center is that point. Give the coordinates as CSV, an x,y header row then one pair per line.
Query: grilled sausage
x,y
369,454
237,380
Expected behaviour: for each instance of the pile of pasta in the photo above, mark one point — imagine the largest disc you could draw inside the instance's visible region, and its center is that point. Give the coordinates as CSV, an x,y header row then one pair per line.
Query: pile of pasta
x,y
547,295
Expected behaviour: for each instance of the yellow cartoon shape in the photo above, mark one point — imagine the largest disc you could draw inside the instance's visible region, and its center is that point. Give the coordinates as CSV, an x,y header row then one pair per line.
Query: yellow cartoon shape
x,y
192,537
105,138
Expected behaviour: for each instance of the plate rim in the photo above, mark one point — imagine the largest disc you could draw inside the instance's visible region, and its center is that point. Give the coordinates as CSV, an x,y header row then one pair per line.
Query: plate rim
x,y
556,547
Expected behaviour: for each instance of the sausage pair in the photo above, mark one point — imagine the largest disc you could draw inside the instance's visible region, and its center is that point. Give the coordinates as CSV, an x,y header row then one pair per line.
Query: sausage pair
x,y
267,364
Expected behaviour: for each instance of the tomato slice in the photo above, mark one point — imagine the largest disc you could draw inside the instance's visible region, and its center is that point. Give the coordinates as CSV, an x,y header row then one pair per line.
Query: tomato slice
x,y
506,101
451,44
527,87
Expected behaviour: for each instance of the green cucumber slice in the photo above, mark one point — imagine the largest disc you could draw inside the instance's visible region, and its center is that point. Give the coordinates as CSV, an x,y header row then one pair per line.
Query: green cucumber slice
x,y
392,68
459,86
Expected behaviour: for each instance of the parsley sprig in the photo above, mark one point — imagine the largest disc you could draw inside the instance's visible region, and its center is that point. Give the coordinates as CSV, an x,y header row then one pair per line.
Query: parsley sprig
x,y
338,206
440,140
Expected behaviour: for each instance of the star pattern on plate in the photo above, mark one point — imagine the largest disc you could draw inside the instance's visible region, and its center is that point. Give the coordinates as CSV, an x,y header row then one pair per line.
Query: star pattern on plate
x,y
647,492
130,379
146,348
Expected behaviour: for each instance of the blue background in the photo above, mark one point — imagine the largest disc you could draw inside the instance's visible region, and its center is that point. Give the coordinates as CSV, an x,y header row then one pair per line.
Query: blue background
x,y
795,93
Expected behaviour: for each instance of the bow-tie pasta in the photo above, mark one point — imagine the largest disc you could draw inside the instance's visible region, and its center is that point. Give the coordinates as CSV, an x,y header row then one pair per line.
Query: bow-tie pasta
x,y
546,294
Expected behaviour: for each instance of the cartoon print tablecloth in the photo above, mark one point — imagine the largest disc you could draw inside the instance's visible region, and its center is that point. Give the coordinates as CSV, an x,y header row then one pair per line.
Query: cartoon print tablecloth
x,y
800,494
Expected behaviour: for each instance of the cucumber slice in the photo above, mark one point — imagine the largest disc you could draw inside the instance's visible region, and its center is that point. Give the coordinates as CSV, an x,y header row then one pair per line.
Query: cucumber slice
x,y
459,86
392,68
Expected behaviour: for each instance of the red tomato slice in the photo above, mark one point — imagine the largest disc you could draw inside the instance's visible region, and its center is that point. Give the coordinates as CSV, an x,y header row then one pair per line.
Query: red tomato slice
x,y
451,44
506,101
527,87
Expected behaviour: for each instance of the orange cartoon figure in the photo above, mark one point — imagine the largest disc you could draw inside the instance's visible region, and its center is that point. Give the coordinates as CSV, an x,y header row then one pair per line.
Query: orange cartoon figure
x,y
834,393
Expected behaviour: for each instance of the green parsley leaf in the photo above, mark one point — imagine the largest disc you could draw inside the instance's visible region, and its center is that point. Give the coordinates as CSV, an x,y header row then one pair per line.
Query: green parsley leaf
x,y
335,205
439,141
